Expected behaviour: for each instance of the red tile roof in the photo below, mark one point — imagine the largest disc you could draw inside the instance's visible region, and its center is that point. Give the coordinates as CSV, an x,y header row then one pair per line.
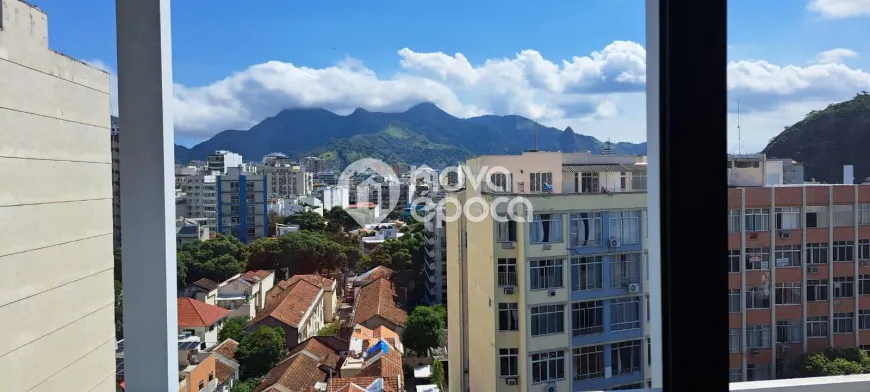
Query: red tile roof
x,y
227,348
378,273
302,368
206,284
317,280
255,276
223,372
348,384
290,305
193,313
378,299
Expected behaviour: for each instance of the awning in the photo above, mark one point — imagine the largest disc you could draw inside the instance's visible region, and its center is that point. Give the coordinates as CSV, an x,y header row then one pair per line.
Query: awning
x,y
603,168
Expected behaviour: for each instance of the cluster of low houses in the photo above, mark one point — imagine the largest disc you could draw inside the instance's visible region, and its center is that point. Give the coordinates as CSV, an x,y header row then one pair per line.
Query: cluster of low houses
x,y
367,356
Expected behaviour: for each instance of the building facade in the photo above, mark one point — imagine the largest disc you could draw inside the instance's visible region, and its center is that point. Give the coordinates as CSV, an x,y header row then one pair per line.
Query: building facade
x,y
287,180
222,160
57,163
559,298
799,274
200,199
242,204
116,182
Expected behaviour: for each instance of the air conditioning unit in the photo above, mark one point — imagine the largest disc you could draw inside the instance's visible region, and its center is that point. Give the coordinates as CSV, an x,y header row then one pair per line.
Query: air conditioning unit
x,y
865,263
784,348
551,293
633,288
551,387
510,381
614,243
753,236
509,290
813,270
756,353
785,234
507,245
548,247
838,302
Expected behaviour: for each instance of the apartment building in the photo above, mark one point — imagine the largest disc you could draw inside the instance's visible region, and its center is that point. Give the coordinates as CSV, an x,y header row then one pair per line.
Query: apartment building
x,y
435,255
799,274
221,161
242,204
57,164
200,199
287,179
116,182
557,300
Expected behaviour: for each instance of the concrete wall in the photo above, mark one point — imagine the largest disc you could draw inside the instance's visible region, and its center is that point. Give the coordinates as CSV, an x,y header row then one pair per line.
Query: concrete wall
x,y
57,296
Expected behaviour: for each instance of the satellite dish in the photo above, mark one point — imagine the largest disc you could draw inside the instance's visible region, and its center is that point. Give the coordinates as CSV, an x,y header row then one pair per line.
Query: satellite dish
x,y
551,387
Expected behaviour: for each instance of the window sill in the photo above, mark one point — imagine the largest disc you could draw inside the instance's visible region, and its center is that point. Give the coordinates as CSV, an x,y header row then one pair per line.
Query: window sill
x,y
548,381
546,334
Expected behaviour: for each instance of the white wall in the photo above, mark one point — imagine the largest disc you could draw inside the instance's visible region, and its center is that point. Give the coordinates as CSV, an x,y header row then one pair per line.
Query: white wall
x,y
56,158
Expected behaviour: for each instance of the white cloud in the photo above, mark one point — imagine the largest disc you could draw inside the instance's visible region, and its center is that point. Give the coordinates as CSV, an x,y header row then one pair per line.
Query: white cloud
x,y
840,9
600,94
835,55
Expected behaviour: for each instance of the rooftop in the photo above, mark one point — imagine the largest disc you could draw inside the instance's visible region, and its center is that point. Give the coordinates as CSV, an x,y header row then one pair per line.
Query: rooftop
x,y
307,364
291,305
378,298
193,313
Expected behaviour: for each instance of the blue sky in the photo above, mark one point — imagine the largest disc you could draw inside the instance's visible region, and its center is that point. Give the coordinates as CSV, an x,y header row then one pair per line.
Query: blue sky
x,y
344,54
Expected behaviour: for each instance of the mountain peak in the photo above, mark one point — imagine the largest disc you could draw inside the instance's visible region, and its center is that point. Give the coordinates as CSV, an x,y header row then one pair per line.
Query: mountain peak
x,y
569,130
359,111
425,107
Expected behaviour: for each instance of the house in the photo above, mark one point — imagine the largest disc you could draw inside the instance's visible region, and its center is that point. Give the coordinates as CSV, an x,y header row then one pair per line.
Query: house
x,y
366,350
403,281
226,365
245,294
364,337
188,230
308,365
376,306
330,292
196,368
204,290
377,368
298,310
201,320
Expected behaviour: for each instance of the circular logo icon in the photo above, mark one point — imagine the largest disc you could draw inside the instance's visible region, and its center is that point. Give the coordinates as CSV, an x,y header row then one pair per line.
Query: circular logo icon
x,y
377,190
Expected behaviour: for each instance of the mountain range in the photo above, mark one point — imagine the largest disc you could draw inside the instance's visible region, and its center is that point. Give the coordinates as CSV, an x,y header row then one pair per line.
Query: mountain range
x,y
423,134
827,139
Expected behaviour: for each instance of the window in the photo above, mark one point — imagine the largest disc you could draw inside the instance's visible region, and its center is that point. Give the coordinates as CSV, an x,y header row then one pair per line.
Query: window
x,y
507,272
210,376
734,300
844,322
817,216
757,259
625,226
625,357
788,218
638,180
864,214
545,274
624,313
844,215
625,269
757,336
844,287
787,256
588,363
508,362
817,290
735,375
201,385
864,284
622,182
864,249
589,183
843,251
734,340
499,182
789,331
817,253
734,261
757,297
508,316
817,326
586,273
540,182
757,372
587,318
585,229
547,319
757,219
545,228
788,293
733,221
506,231
864,319
549,366
629,387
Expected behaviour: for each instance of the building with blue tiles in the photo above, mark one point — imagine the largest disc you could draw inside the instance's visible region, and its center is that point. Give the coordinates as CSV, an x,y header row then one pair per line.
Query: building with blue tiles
x,y
549,286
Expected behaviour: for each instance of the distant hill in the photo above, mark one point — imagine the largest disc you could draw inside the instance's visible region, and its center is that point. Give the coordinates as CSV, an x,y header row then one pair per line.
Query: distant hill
x,y
424,134
825,140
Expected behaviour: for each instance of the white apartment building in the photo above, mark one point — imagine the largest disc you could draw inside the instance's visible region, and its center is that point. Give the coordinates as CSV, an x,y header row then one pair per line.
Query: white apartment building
x,y
335,196
287,180
58,326
221,160
200,199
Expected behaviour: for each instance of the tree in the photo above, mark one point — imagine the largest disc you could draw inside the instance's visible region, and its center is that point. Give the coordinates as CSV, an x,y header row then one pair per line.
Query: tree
x,y
216,259
233,329
119,310
441,310
424,330
832,362
119,276
331,329
260,350
265,253
340,219
307,220
438,374
274,218
246,386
